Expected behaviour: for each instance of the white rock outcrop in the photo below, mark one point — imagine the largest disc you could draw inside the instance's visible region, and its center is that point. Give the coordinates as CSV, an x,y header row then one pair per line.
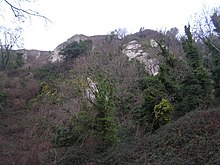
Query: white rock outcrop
x,y
134,51
56,57
91,90
153,43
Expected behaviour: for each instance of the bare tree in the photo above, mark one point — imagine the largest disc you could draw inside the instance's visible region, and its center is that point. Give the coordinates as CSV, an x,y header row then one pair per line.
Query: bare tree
x,y
20,12
206,27
119,33
9,39
204,23
207,31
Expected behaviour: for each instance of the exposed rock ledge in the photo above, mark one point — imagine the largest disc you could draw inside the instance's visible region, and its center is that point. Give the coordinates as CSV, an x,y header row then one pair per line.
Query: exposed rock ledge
x,y
134,51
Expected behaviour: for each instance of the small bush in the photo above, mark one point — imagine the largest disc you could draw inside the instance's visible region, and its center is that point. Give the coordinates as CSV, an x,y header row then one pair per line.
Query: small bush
x,y
47,73
65,136
161,113
73,49
47,90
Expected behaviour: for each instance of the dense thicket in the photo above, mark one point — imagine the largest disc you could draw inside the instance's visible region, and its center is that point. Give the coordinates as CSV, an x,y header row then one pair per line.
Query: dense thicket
x,y
133,118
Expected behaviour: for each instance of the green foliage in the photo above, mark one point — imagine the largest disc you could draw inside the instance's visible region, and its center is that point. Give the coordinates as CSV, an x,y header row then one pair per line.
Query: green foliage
x,y
78,130
194,95
190,94
11,60
215,69
65,137
105,125
215,18
190,49
5,57
201,75
165,92
47,90
8,60
196,87
47,93
47,73
167,78
74,49
161,113
155,109
195,90
96,121
169,73
196,133
19,61
212,43
151,82
149,103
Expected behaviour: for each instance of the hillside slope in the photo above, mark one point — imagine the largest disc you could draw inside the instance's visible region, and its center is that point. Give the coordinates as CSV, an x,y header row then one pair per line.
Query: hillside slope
x,y
132,100
193,139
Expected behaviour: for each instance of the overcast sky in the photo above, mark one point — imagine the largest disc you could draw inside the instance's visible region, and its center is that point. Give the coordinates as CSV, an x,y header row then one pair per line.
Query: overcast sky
x,y
93,17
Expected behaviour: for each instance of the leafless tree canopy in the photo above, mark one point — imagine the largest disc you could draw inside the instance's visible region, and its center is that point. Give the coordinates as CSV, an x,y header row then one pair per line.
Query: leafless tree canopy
x,y
9,39
203,24
20,12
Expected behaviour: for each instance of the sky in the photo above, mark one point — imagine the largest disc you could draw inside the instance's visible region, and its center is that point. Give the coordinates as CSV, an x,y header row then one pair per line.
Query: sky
x,y
100,17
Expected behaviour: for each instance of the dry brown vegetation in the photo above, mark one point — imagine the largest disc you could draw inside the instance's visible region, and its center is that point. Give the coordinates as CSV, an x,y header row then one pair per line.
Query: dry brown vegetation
x,y
50,98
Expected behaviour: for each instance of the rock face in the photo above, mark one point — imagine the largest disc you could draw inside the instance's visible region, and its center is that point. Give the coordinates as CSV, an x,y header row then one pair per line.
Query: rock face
x,y
91,90
153,43
34,58
134,51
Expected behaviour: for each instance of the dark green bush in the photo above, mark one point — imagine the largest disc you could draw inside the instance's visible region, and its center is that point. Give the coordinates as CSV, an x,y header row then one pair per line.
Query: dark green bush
x,y
65,136
105,125
19,60
193,139
73,49
47,73
154,95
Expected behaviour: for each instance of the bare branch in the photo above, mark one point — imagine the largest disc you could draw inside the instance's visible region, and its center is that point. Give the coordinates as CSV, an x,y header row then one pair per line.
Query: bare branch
x,y
212,44
22,13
